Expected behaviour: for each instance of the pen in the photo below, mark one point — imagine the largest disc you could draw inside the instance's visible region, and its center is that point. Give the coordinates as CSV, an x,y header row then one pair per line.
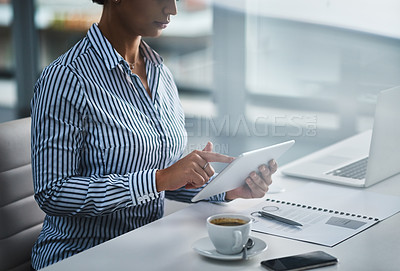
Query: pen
x,y
279,218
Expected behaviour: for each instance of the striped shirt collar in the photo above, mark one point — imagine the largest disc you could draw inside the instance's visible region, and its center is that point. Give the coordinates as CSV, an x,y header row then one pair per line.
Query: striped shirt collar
x,y
110,56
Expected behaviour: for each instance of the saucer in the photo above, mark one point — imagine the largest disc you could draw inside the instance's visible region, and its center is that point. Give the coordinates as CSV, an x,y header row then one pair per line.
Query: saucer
x,y
205,247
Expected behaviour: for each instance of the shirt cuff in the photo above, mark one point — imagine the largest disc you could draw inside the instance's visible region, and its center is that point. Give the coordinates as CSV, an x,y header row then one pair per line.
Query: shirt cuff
x,y
143,187
219,198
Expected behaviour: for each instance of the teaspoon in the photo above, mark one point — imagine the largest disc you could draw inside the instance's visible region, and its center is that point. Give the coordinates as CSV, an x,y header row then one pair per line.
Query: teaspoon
x,y
249,244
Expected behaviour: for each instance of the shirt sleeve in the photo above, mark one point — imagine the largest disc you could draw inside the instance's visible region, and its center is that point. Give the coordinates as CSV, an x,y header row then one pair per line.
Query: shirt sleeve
x,y
186,195
58,134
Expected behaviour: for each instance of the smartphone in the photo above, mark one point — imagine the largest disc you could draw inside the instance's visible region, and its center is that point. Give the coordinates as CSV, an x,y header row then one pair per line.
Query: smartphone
x,y
300,262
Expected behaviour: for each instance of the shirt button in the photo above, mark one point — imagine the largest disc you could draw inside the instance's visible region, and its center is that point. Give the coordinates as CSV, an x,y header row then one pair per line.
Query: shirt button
x,y
140,199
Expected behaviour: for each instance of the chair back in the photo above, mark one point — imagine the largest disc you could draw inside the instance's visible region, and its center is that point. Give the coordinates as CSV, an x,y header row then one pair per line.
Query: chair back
x,y
20,217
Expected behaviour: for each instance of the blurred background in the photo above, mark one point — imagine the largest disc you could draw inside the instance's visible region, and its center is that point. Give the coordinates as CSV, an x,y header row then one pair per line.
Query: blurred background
x,y
250,72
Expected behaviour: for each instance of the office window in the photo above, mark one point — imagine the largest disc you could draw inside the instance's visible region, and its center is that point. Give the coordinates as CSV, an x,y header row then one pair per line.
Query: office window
x,y
324,58
249,71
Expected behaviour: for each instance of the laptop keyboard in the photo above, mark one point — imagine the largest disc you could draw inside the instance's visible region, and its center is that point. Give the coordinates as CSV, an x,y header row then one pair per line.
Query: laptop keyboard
x,y
356,170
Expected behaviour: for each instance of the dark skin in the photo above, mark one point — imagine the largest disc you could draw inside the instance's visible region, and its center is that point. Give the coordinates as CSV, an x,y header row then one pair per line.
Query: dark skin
x,y
124,23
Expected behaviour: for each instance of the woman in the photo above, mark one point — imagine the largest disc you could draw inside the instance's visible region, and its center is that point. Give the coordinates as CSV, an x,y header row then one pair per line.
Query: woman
x,y
108,135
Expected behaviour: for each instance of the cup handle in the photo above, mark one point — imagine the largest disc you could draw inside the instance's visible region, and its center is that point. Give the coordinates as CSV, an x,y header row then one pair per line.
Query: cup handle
x,y
238,239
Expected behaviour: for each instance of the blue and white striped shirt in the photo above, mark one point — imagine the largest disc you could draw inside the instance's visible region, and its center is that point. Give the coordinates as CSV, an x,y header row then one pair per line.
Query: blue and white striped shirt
x,y
97,140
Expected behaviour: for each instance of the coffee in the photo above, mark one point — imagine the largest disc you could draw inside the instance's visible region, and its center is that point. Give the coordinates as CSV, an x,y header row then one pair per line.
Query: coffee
x,y
229,232
228,221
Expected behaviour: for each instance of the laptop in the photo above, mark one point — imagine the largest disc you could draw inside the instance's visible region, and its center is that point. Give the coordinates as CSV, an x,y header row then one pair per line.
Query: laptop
x,y
361,160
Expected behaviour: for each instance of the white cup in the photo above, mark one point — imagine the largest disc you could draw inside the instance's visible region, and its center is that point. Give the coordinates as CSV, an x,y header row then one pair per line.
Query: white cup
x,y
229,232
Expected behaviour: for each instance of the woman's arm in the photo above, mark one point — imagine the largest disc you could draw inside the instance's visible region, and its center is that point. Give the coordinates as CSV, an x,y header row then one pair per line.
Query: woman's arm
x,y
62,185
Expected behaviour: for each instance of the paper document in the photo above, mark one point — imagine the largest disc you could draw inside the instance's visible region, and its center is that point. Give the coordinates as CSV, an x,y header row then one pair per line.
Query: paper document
x,y
328,215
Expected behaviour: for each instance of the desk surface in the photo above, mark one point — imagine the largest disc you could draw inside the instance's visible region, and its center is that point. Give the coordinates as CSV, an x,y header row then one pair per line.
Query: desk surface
x,y
166,244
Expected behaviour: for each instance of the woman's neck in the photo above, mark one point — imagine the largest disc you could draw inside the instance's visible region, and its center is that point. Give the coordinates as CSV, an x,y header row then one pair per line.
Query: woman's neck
x,y
126,44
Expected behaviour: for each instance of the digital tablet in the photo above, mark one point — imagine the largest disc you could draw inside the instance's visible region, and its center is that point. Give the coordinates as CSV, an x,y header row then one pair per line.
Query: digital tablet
x,y
234,175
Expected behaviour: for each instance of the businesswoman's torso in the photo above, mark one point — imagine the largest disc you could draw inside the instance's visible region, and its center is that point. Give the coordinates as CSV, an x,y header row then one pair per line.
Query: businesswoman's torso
x,y
97,140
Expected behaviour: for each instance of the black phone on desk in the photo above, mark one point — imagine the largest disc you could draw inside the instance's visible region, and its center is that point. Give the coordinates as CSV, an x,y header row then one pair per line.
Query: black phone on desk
x,y
300,262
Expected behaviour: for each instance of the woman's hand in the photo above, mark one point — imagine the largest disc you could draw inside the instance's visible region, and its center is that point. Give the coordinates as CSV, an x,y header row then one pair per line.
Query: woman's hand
x,y
192,171
256,184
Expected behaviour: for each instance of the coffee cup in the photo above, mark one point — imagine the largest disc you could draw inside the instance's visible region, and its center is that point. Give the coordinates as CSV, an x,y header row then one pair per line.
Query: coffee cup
x,y
229,232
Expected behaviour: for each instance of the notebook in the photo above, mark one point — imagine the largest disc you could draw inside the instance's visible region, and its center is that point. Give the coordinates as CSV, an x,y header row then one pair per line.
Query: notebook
x,y
324,211
361,160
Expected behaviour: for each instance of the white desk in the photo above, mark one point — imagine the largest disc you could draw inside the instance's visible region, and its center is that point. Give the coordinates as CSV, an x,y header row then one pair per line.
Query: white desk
x,y
166,243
